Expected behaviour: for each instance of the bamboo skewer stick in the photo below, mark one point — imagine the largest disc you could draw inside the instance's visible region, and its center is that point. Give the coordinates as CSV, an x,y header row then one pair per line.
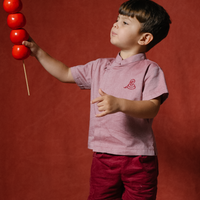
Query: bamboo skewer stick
x,y
26,78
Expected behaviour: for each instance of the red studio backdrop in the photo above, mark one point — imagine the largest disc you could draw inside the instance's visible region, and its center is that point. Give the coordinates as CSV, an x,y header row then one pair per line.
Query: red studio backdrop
x,y
43,137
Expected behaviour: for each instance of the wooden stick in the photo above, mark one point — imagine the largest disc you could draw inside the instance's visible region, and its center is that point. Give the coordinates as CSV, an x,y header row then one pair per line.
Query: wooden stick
x,y
26,78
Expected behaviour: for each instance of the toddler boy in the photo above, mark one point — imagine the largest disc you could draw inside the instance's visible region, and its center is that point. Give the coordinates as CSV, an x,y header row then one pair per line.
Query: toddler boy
x,y
126,93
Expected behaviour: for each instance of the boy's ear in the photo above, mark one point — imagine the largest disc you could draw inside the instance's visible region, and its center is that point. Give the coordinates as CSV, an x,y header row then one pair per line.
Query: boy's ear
x,y
145,39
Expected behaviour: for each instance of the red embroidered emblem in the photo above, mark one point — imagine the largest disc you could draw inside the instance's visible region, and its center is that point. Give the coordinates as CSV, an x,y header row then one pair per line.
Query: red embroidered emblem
x,y
131,85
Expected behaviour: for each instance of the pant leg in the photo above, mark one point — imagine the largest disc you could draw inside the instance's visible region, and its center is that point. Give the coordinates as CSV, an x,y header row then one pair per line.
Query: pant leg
x,y
105,181
139,176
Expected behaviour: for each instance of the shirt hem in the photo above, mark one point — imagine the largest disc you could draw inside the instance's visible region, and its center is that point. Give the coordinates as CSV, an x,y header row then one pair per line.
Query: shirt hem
x,y
133,152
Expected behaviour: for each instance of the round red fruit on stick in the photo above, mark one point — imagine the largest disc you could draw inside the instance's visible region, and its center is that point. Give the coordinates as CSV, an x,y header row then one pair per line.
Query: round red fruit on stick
x,y
16,20
18,36
20,52
12,6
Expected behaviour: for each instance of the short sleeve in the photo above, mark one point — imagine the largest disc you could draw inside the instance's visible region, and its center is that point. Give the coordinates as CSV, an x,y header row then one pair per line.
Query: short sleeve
x,y
154,83
82,74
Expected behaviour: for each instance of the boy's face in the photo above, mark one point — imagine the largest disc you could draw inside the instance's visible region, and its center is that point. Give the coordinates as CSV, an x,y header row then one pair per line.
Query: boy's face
x,y
125,32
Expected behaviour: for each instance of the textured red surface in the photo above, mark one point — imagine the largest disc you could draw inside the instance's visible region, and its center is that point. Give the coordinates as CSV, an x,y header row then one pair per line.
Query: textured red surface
x,y
43,138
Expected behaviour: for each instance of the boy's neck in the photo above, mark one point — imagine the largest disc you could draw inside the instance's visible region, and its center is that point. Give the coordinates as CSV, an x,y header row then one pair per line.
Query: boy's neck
x,y
126,54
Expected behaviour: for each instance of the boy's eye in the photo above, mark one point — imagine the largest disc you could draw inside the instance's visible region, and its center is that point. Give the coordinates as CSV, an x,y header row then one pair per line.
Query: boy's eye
x,y
125,23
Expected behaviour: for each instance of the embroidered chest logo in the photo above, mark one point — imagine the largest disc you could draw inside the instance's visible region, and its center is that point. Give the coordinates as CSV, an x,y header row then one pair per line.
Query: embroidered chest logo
x,y
131,85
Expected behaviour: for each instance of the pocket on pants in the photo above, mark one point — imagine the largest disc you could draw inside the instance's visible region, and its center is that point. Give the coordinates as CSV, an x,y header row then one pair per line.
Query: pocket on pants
x,y
149,163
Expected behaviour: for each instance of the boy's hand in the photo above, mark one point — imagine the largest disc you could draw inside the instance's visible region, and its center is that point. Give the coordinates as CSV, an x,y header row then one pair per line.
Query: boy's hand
x,y
32,46
107,104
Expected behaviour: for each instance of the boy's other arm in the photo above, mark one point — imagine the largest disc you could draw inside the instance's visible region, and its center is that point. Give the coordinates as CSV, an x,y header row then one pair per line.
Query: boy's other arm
x,y
108,104
56,68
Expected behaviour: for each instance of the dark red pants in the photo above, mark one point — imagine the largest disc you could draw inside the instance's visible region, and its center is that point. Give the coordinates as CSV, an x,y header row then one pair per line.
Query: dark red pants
x,y
123,177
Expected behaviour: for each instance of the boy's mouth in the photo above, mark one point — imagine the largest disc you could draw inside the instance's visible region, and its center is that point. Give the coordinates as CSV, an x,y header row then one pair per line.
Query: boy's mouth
x,y
114,34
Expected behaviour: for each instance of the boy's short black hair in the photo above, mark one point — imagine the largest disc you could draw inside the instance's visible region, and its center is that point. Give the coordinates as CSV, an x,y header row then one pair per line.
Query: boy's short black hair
x,y
153,18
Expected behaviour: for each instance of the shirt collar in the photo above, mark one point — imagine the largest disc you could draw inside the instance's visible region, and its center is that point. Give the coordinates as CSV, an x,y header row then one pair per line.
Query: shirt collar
x,y
134,58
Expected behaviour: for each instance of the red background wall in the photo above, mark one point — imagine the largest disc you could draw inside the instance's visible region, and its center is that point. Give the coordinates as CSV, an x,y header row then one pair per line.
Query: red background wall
x,y
43,138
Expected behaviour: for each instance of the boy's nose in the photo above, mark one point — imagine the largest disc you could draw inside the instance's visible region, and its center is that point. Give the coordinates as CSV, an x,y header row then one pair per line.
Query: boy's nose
x,y
115,25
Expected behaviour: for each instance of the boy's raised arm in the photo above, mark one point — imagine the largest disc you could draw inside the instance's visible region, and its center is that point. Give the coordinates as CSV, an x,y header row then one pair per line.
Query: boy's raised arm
x,y
56,68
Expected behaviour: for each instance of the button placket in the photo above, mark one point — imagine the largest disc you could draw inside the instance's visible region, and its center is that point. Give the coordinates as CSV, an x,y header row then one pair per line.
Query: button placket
x,y
105,76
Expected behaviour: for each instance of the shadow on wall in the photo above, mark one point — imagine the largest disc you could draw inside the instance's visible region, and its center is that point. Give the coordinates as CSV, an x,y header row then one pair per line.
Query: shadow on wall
x,y
179,160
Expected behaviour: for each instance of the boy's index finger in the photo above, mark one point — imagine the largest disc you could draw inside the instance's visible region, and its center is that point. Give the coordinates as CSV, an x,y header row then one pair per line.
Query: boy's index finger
x,y
98,99
101,114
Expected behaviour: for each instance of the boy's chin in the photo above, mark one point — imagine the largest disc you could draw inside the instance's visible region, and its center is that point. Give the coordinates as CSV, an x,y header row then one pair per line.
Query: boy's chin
x,y
114,43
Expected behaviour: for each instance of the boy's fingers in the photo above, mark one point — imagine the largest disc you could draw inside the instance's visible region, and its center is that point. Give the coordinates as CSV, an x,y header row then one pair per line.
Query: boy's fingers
x,y
27,44
101,92
98,99
101,114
